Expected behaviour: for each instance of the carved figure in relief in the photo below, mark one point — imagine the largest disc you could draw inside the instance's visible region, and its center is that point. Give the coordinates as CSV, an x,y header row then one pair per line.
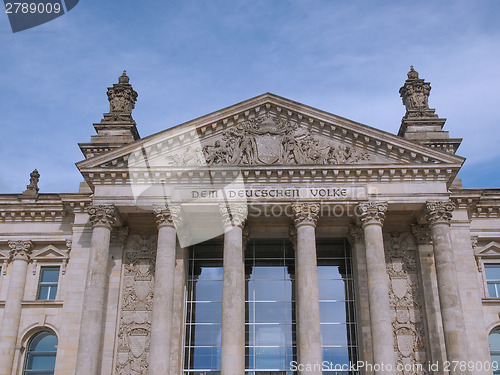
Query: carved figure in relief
x,y
216,154
291,151
268,140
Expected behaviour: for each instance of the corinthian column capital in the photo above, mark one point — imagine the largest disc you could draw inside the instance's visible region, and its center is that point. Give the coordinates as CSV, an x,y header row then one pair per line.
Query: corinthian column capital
x,y
168,216
439,212
372,213
20,249
305,214
103,215
233,214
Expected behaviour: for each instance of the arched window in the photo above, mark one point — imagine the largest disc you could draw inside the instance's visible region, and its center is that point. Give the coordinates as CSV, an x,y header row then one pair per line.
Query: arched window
x,y
41,354
494,341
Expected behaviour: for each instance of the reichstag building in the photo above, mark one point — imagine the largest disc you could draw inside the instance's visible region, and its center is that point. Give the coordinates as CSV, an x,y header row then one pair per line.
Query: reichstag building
x,y
267,238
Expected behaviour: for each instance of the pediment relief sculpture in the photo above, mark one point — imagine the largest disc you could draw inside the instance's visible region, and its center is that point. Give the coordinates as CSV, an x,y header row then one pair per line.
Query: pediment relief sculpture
x,y
269,140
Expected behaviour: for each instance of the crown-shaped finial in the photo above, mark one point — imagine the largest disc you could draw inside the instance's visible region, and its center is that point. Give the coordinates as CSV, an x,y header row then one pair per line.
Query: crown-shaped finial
x,y
412,74
122,96
123,78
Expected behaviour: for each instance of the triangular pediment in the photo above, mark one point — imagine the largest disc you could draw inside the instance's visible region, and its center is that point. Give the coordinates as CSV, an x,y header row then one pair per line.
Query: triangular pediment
x,y
273,132
50,252
491,249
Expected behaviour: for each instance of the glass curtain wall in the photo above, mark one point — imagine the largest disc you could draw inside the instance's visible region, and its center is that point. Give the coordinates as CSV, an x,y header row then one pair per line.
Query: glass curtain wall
x,y
204,310
270,307
336,304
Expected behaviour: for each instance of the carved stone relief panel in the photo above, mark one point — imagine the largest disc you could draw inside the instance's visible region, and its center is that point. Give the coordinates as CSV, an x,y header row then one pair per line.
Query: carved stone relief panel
x,y
406,301
268,140
136,305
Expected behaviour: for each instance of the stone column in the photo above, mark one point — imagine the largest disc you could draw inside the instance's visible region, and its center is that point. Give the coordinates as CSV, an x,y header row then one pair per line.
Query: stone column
x,y
102,217
233,290
427,276
305,217
372,215
163,297
439,214
357,240
19,253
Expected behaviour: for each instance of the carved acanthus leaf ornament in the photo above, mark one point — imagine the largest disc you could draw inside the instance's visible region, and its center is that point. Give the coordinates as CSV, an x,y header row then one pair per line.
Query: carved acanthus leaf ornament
x,y
103,215
372,212
305,214
233,214
439,212
20,249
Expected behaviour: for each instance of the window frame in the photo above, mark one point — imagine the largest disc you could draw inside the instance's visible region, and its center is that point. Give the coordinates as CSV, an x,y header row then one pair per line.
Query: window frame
x,y
39,283
27,352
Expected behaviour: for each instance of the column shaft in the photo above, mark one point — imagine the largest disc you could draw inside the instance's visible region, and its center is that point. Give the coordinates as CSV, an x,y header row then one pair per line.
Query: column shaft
x,y
372,217
89,344
306,286
308,318
161,323
233,304
439,216
12,310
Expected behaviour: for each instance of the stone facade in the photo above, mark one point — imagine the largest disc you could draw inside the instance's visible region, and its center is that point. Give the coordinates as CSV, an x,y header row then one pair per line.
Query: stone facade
x,y
267,168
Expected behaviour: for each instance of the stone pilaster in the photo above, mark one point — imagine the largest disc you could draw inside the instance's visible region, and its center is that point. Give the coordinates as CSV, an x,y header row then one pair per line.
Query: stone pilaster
x,y
372,215
102,218
233,290
161,323
20,255
438,215
432,315
305,217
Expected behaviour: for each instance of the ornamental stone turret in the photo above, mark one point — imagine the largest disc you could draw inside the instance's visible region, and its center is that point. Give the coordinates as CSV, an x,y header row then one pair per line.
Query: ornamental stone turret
x,y
117,127
420,123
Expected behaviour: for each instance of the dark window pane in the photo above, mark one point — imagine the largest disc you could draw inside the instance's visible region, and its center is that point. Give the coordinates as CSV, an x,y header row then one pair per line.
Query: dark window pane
x,y
492,271
332,312
335,356
494,341
272,335
272,312
50,274
41,362
331,290
272,290
206,358
206,334
44,341
270,358
207,312
208,290
492,290
334,334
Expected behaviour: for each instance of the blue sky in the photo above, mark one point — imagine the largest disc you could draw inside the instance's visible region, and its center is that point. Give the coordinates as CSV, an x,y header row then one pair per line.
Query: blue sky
x,y
187,58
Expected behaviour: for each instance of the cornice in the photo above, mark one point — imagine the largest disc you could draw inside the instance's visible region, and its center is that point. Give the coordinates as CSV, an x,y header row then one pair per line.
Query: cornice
x,y
480,203
277,174
46,208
